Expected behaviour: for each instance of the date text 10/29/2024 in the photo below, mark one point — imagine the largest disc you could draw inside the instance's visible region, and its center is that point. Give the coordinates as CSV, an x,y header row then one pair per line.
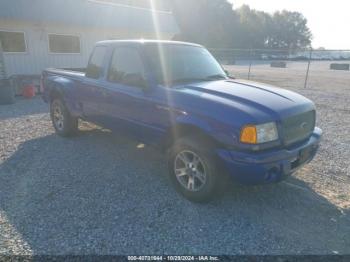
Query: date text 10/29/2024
x,y
173,258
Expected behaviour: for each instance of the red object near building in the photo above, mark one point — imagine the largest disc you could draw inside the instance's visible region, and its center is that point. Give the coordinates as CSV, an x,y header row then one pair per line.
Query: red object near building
x,y
29,91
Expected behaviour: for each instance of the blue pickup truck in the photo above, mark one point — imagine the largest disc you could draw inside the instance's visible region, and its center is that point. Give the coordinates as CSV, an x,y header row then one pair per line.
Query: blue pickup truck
x,y
176,96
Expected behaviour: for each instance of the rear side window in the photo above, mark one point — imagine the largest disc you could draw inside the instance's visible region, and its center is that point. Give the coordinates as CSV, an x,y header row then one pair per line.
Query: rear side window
x,y
127,67
95,66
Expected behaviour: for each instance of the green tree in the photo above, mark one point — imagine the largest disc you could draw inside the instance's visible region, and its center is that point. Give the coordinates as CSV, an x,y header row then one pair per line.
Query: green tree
x,y
208,22
254,27
289,30
214,23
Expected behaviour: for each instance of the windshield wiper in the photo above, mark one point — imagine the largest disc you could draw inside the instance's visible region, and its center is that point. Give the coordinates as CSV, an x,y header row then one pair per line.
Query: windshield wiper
x,y
193,79
216,77
185,80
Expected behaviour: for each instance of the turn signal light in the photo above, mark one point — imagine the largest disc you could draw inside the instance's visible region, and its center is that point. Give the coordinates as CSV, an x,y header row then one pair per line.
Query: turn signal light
x,y
249,135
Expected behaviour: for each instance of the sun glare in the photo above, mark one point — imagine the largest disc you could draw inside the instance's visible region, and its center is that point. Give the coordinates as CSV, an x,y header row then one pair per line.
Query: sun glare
x,y
162,57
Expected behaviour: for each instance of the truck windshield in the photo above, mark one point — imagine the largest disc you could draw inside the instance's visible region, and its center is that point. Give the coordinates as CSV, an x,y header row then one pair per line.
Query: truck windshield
x,y
175,64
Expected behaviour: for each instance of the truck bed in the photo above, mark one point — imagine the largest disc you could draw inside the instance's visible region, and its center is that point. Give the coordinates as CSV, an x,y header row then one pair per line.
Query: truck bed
x,y
74,75
70,72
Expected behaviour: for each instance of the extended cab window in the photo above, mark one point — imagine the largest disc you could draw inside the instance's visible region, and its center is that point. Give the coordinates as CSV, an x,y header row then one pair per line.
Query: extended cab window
x,y
95,66
126,67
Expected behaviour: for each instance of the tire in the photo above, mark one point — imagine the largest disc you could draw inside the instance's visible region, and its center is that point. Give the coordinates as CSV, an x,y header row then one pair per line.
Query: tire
x,y
203,172
63,122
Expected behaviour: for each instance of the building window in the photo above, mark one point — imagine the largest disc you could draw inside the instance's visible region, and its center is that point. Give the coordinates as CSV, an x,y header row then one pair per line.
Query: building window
x,y
64,44
12,42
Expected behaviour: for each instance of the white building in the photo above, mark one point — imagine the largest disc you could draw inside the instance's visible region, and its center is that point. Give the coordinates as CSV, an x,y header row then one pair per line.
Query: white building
x,y
37,34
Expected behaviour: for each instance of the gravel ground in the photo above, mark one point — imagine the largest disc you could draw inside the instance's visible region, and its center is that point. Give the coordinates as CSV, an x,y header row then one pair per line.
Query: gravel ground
x,y
99,193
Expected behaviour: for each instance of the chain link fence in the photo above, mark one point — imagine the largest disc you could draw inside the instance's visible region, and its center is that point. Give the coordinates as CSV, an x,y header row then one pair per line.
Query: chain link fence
x,y
304,68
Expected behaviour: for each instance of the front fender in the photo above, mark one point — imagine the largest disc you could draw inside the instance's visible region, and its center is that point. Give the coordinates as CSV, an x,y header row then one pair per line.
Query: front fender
x,y
219,132
195,122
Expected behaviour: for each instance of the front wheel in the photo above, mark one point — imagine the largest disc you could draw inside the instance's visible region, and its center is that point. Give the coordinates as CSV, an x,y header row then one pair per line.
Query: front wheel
x,y
63,122
193,170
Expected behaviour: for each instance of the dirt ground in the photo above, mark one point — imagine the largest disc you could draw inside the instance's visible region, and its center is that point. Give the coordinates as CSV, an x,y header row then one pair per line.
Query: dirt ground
x,y
293,76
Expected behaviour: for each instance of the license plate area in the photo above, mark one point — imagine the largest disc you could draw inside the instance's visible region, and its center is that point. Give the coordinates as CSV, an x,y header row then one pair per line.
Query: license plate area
x,y
303,156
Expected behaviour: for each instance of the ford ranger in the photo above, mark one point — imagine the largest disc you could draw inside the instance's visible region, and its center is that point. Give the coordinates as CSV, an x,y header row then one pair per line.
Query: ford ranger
x,y
176,96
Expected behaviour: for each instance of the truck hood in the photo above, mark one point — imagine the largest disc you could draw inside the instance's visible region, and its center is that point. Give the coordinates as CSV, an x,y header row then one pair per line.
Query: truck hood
x,y
257,99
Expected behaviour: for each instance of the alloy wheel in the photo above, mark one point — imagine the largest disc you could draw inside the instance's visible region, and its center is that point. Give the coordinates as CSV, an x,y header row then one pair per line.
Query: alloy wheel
x,y
190,171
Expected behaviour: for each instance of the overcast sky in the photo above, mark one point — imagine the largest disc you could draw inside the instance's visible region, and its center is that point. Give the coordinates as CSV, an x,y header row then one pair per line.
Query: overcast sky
x,y
329,21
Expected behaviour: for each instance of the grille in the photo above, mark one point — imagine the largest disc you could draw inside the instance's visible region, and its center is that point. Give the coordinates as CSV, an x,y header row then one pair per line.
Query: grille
x,y
298,127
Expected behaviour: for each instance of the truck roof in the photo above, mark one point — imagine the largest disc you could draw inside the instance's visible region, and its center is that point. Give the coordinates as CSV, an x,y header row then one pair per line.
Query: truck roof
x,y
142,42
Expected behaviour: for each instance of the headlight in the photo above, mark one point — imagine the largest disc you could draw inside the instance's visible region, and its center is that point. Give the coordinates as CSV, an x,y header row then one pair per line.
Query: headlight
x,y
257,134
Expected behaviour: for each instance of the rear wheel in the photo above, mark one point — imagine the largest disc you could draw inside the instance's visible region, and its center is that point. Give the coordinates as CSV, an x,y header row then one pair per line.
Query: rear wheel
x,y
193,170
63,122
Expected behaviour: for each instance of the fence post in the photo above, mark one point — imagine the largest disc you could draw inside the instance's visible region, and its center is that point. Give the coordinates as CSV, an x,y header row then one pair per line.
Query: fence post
x,y
250,62
3,74
308,68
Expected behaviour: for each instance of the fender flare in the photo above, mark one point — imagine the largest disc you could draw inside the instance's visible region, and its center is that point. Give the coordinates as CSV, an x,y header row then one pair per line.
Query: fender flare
x,y
188,125
58,86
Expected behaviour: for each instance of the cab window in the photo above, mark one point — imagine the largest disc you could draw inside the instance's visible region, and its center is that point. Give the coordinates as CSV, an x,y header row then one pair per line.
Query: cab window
x,y
126,67
95,66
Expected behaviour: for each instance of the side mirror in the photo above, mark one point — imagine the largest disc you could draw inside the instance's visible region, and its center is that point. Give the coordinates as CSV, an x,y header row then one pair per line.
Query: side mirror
x,y
228,74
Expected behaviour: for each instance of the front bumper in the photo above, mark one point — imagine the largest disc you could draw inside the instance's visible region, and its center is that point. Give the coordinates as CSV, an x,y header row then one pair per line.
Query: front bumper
x,y
269,166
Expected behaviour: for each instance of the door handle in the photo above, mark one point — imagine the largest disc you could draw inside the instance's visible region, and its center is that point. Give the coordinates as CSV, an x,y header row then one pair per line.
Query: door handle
x,y
169,109
160,107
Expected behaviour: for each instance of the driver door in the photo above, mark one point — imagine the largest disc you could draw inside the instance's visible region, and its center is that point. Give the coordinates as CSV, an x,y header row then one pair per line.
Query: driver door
x,y
128,102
